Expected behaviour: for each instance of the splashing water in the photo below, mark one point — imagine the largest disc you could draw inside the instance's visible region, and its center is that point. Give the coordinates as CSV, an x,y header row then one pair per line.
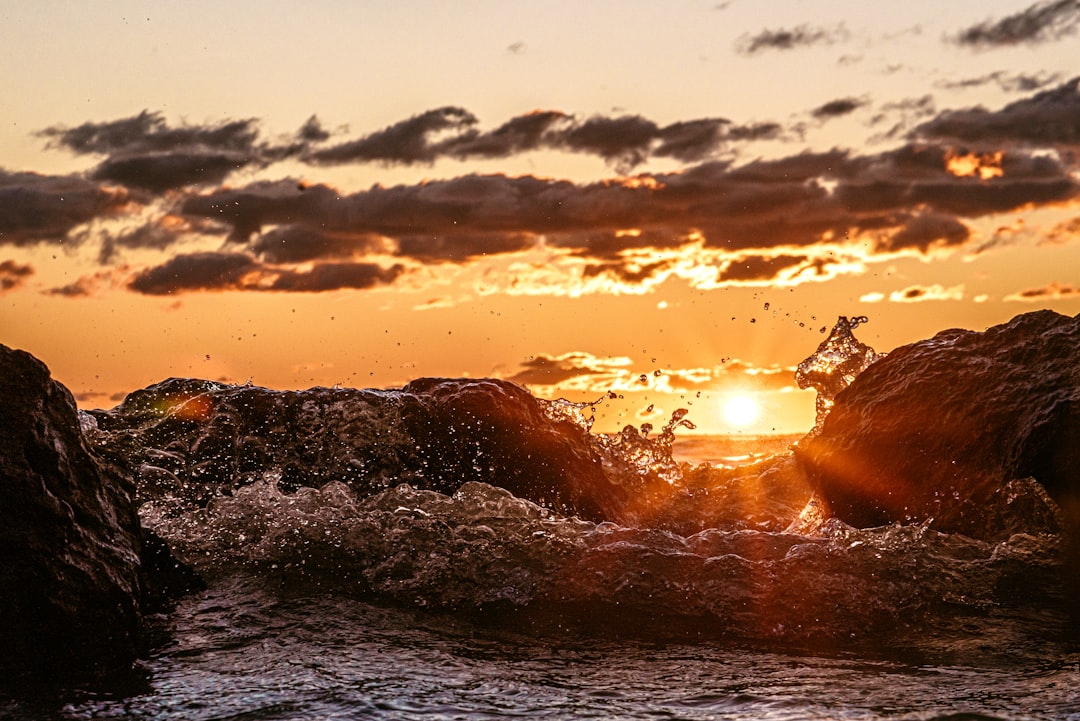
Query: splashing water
x,y
835,364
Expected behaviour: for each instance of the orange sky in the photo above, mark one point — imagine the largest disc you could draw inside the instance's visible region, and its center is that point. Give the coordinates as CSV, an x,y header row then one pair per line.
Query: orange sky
x,y
669,203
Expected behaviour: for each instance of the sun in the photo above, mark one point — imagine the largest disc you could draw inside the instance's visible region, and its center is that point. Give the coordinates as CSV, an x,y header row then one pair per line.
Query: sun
x,y
740,410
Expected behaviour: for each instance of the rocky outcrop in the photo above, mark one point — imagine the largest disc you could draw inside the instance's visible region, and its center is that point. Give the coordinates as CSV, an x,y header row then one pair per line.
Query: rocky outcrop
x,y
937,428
194,439
70,586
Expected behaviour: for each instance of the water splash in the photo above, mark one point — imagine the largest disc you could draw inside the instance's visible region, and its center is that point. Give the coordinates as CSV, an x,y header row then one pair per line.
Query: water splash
x,y
632,449
835,364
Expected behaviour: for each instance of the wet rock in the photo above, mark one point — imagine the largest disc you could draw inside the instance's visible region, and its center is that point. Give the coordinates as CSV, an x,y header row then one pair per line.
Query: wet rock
x,y
496,432
193,440
70,585
936,430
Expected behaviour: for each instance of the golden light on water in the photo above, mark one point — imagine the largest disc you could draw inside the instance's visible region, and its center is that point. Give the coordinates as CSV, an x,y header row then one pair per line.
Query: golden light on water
x,y
740,410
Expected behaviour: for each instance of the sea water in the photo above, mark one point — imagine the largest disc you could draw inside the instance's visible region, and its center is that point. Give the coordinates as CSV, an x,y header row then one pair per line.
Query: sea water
x,y
961,629
398,601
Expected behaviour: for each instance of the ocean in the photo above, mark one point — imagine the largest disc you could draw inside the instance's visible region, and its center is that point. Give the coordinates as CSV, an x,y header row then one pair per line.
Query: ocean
x,y
480,605
459,549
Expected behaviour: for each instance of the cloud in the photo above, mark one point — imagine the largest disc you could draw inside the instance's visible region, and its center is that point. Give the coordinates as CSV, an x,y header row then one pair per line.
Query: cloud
x,y
624,141
1038,23
1050,118
149,132
583,372
13,274
415,140
463,246
917,294
798,218
143,151
789,39
913,199
165,171
521,134
195,271
239,271
45,208
1009,82
759,267
300,243
574,371
1050,291
926,230
837,108
1065,232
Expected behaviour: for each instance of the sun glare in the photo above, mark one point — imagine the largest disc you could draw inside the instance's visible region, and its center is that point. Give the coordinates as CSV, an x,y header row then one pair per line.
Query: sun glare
x,y
740,411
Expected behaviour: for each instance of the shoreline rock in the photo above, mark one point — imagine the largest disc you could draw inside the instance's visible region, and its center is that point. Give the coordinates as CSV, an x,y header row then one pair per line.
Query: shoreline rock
x,y
931,432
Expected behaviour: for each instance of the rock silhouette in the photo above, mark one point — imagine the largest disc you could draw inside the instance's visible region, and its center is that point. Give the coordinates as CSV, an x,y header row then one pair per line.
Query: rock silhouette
x,y
935,430
70,585
194,439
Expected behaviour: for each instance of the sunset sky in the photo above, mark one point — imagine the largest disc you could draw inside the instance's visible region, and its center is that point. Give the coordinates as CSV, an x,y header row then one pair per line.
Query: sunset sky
x,y
670,201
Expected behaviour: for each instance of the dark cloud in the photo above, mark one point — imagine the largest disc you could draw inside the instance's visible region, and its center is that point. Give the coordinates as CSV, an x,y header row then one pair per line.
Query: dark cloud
x,y
335,276
45,208
157,235
416,140
1048,118
145,152
628,273
610,244
195,271
301,243
1009,82
837,108
625,140
1050,291
166,171
906,198
756,131
1038,23
692,140
518,135
239,271
461,247
789,39
759,268
149,132
13,274
312,131
927,230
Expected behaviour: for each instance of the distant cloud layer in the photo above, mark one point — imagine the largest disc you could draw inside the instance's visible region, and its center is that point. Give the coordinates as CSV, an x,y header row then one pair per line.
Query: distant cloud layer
x,y
714,221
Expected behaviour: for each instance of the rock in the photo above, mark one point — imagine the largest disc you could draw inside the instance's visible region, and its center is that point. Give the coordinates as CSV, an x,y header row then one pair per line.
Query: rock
x,y
934,430
194,439
70,585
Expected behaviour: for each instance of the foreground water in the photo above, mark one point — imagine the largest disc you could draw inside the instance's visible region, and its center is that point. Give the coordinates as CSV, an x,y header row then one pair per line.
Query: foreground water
x,y
479,605
241,650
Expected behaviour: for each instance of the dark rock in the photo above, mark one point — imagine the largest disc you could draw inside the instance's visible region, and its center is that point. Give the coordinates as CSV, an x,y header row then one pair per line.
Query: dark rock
x,y
937,428
193,439
70,583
